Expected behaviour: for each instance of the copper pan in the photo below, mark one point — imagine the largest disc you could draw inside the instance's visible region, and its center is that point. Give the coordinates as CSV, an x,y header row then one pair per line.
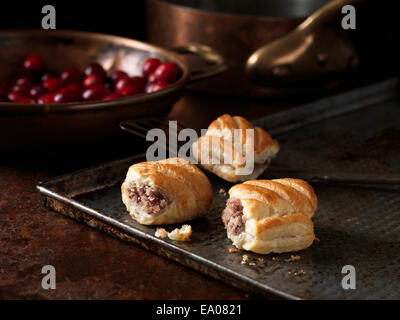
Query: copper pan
x,y
234,28
24,126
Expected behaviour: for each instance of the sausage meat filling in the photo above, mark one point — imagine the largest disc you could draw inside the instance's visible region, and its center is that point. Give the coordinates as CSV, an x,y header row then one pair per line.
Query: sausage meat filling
x,y
151,199
232,216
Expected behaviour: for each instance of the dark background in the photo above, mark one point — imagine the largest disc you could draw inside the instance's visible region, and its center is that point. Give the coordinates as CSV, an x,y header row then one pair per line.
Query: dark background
x,y
125,18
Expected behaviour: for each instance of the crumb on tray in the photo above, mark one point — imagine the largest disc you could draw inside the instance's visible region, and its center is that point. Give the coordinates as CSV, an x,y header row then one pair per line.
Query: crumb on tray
x,y
161,233
232,250
182,234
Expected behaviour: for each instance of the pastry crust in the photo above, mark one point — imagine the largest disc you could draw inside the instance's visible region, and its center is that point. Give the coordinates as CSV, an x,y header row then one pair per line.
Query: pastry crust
x,y
166,192
267,216
217,145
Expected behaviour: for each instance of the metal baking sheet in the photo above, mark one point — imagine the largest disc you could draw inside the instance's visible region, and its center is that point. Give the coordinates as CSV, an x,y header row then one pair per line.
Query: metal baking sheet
x,y
357,131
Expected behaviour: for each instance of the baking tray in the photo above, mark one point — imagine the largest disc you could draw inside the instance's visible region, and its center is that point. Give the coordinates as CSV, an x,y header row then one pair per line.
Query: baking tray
x,y
356,131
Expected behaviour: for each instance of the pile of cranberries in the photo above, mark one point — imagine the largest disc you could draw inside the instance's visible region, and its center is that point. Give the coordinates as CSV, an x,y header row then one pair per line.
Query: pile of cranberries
x,y
38,85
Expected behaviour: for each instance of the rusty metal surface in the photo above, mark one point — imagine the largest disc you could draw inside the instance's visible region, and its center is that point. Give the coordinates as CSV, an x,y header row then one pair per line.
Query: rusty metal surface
x,y
355,226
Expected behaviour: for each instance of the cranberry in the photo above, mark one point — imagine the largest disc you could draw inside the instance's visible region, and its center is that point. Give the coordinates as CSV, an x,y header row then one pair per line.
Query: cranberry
x,y
77,88
46,98
167,72
52,84
37,91
158,86
33,63
66,95
129,91
15,96
92,80
123,82
25,100
138,82
112,96
71,75
149,66
48,75
98,92
117,74
25,80
95,68
21,88
152,78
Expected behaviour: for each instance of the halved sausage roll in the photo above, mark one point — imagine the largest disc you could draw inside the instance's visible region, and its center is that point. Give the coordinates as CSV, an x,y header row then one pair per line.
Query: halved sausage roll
x,y
166,192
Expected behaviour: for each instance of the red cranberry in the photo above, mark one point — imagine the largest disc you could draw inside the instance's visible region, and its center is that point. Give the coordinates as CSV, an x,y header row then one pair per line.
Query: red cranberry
x,y
46,98
95,68
25,100
33,63
112,96
92,80
167,72
123,82
152,78
25,80
158,86
138,82
98,92
15,96
37,91
117,74
149,66
21,88
52,84
66,95
48,75
71,75
129,91
77,88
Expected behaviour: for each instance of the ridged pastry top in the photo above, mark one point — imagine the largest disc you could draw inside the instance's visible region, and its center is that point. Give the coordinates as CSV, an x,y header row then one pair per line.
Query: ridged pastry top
x,y
175,175
281,196
224,125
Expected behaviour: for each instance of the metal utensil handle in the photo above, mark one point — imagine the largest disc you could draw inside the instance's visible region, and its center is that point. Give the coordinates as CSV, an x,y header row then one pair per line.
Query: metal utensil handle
x,y
212,57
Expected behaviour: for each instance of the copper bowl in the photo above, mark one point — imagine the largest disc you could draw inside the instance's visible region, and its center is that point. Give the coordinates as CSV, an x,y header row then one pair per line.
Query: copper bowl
x,y
34,125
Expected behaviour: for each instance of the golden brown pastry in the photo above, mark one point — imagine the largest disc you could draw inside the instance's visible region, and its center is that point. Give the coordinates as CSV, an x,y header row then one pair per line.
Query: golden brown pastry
x,y
166,192
267,216
218,144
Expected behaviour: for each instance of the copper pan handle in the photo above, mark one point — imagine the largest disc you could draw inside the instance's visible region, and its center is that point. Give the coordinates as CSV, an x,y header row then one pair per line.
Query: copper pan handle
x,y
317,47
212,57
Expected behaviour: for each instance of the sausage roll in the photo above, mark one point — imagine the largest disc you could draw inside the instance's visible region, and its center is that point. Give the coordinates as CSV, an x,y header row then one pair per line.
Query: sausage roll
x,y
267,216
220,143
166,192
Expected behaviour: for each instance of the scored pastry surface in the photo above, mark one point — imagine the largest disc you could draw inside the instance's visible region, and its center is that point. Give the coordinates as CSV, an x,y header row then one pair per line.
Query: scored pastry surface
x,y
219,143
166,192
271,215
